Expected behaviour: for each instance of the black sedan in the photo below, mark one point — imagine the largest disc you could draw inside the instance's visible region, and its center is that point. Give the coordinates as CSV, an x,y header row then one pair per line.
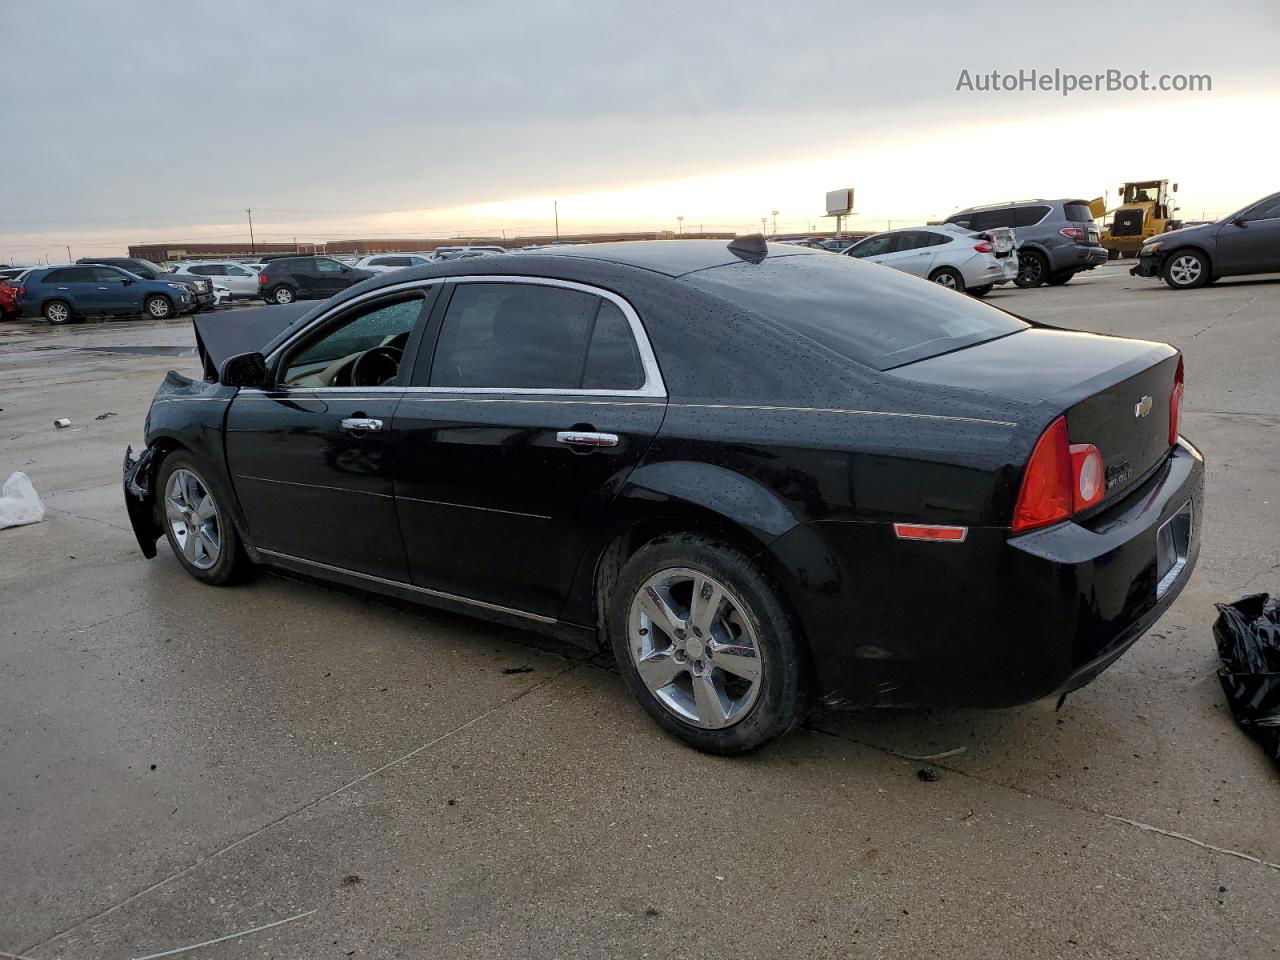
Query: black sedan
x,y
1246,242
764,476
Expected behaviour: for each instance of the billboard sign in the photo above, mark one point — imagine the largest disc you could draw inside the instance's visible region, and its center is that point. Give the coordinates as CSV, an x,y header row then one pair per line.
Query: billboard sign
x,y
840,202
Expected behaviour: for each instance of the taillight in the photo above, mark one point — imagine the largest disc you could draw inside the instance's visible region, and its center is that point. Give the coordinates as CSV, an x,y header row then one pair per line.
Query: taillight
x,y
1175,404
1045,496
1088,481
1061,480
1075,233
262,279
983,247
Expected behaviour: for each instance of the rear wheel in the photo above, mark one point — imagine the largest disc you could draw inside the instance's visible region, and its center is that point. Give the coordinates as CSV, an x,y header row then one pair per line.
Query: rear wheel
x,y
706,646
948,277
1032,269
1060,277
57,312
981,291
197,525
158,307
283,294
1186,270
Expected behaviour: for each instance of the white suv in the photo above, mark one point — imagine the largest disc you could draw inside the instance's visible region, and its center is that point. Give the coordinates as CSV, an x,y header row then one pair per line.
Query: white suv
x,y
386,262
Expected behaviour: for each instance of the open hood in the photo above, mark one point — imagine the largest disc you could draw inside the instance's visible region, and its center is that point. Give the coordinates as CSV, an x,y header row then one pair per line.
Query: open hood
x,y
223,335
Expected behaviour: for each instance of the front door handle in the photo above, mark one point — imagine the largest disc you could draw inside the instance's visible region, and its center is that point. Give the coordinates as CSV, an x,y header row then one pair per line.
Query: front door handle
x,y
361,425
587,438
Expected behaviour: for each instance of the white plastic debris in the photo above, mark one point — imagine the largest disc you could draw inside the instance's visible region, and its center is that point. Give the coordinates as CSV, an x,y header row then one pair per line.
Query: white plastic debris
x,y
19,502
62,422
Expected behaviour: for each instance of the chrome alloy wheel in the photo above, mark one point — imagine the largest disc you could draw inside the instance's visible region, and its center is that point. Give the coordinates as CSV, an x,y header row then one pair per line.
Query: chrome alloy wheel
x,y
158,307
284,295
193,519
1184,270
694,648
57,313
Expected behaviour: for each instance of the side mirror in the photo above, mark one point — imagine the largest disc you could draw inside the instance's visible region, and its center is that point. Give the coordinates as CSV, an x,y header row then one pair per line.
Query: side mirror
x,y
127,281
243,370
1240,222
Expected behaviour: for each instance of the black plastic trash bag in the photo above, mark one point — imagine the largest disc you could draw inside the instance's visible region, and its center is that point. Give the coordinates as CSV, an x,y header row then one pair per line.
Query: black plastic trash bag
x,y
1248,635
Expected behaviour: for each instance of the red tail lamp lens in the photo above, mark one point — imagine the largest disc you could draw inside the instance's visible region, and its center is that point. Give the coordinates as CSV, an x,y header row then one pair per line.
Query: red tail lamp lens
x,y
1046,486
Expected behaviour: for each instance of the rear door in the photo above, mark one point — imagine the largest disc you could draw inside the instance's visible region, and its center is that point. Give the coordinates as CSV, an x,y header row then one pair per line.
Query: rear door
x,y
312,458
532,401
913,253
79,286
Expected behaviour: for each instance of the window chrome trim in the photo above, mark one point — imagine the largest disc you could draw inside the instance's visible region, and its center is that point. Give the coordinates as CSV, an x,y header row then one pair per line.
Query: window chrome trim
x,y
654,385
400,584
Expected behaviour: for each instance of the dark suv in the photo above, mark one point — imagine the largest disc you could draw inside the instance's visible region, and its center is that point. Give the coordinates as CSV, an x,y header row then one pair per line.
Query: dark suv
x,y
306,278
1056,238
201,288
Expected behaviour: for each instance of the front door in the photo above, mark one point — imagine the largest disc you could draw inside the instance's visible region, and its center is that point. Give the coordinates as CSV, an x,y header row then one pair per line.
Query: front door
x,y
312,457
1253,244
529,411
117,292
327,276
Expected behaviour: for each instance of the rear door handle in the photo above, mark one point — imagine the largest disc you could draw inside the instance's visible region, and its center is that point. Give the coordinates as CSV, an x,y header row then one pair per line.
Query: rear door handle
x,y
581,438
361,425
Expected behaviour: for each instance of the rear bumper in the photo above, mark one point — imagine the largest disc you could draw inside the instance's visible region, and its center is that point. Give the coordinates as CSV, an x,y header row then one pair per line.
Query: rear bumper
x,y
996,620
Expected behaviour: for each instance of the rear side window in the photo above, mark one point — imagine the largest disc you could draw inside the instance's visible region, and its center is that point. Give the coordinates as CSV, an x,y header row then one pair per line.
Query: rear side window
x,y
613,363
513,335
1078,212
71,275
1024,217
986,219
872,246
56,276
879,318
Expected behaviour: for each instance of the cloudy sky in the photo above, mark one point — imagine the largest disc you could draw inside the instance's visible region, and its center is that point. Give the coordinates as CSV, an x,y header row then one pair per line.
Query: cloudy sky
x,y
164,121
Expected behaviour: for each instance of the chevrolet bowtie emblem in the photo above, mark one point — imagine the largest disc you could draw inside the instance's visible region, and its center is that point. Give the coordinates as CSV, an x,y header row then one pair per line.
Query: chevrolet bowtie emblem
x,y
1142,407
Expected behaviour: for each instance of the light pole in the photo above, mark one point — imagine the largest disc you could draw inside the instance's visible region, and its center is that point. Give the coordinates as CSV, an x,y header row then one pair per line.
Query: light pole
x,y
764,225
679,225
775,223
253,247
556,204
68,246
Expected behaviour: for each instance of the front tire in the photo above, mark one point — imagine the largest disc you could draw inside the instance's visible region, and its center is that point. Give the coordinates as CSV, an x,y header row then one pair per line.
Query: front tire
x,y
197,523
1032,269
58,312
949,278
1186,269
706,645
158,307
283,294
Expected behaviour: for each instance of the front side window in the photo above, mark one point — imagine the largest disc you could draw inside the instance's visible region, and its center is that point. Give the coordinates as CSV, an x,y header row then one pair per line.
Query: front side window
x,y
363,348
234,271
1268,209
108,275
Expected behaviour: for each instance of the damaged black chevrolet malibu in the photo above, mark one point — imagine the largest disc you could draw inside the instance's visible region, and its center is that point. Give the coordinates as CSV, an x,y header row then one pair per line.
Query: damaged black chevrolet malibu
x,y
765,476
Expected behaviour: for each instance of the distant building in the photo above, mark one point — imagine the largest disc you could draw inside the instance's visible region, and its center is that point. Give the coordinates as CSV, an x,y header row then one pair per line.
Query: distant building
x,y
192,250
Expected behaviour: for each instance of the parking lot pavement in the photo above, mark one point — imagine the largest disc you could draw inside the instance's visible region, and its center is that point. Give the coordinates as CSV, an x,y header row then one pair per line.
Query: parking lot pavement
x,y
179,763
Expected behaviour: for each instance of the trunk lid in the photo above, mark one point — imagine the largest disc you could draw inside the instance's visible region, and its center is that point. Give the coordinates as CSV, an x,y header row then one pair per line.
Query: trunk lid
x,y
1114,391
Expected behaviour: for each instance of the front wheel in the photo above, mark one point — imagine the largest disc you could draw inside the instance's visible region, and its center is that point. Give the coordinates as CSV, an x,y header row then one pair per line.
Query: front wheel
x,y
706,645
197,525
1186,270
283,294
947,277
1032,269
158,308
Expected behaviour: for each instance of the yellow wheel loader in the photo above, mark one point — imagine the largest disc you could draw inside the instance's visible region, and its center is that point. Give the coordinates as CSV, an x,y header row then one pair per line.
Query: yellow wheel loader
x,y
1146,209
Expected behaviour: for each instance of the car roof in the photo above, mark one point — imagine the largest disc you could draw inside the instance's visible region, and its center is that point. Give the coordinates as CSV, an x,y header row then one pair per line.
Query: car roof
x,y
672,258
1038,202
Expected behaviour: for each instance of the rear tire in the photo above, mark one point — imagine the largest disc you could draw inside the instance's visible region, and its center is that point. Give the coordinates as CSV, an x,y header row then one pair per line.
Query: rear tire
x,y
58,312
158,307
283,294
1032,269
949,278
981,291
195,516
720,603
1186,269
1059,278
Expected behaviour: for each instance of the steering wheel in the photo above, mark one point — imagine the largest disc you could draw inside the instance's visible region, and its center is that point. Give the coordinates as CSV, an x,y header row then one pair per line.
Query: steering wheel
x,y
376,367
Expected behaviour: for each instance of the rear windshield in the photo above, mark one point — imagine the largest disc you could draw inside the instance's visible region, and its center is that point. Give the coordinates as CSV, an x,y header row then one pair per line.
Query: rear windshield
x,y
1078,212
861,311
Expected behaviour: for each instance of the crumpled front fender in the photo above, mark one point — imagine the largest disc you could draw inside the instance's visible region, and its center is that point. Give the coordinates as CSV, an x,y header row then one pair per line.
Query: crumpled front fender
x,y
140,498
